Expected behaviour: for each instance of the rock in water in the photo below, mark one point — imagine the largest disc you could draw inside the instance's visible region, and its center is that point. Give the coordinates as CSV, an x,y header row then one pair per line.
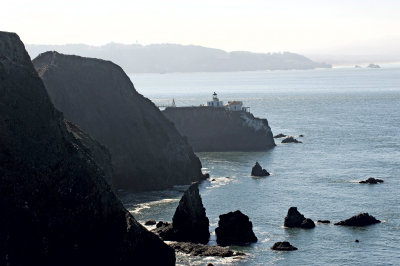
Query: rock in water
x,y
234,228
190,223
361,219
324,221
146,149
56,208
203,250
371,180
280,135
257,170
290,140
283,246
295,219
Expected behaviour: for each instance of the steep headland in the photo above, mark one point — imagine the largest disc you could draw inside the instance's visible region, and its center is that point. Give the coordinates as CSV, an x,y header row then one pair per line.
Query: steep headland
x,y
164,58
218,129
147,151
56,208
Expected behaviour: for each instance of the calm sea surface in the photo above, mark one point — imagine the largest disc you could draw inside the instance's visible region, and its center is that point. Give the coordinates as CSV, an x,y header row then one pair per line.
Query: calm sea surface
x,y
350,119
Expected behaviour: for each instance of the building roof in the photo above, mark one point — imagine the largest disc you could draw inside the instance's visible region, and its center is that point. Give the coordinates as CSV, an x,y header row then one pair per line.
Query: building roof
x,y
235,102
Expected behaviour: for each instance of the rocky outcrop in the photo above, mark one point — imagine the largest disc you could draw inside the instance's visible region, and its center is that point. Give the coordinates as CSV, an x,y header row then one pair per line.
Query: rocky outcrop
x,y
216,129
290,140
100,154
283,246
361,219
371,180
56,208
295,219
190,223
280,135
150,222
203,250
146,149
324,221
234,228
257,170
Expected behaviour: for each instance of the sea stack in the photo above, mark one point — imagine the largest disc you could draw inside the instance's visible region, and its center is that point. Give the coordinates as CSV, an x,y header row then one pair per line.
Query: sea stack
x,y
56,208
146,149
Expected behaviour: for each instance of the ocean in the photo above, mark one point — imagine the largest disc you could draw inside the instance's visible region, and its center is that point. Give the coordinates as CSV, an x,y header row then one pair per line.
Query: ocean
x,y
350,119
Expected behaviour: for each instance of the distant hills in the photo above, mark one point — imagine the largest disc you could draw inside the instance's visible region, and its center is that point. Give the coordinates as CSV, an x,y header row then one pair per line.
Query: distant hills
x,y
165,58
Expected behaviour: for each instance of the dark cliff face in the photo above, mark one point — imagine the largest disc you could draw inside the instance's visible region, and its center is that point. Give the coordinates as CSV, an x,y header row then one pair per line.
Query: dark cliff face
x,y
216,129
56,208
147,151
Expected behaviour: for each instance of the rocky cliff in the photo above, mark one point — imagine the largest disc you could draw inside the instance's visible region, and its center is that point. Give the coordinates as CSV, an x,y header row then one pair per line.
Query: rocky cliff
x,y
217,129
147,151
56,208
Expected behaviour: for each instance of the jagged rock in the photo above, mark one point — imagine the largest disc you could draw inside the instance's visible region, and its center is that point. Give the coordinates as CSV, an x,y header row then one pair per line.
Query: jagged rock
x,y
324,221
150,222
280,135
283,246
195,249
290,140
190,223
295,219
56,208
361,219
234,228
258,171
371,180
147,151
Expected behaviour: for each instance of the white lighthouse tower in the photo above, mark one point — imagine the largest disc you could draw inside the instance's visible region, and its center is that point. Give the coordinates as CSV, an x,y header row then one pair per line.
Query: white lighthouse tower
x,y
215,101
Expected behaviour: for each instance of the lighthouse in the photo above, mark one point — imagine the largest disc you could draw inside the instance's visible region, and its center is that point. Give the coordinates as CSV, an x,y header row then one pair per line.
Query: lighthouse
x,y
215,101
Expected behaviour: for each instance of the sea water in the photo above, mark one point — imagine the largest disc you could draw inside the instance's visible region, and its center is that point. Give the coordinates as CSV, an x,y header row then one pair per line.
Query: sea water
x,y
350,119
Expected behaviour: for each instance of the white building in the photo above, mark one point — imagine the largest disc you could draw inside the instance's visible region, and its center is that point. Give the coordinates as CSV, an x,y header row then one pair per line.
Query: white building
x,y
234,106
215,102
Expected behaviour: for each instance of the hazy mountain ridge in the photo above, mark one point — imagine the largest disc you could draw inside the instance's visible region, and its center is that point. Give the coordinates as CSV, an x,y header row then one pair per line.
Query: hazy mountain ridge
x,y
163,58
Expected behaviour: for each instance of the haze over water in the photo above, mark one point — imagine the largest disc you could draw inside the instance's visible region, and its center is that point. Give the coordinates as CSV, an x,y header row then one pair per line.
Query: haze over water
x,y
350,120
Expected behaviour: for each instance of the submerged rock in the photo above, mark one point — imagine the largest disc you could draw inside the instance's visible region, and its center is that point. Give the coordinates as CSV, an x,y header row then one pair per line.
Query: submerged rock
x,y
56,207
371,180
280,135
295,219
147,151
196,249
361,219
290,140
257,170
190,223
234,228
283,246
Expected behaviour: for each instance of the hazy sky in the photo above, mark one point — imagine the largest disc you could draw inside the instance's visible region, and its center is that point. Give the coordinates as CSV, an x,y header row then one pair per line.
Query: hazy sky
x,y
253,25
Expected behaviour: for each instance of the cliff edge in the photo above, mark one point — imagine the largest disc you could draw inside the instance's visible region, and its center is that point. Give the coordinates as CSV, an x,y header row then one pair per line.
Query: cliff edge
x,y
212,129
56,208
147,151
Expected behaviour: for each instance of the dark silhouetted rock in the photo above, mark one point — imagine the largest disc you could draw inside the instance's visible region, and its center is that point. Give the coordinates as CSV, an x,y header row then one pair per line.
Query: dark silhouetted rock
x,y
307,224
234,228
357,241
290,140
225,131
190,223
258,171
150,222
147,151
283,246
301,136
213,179
361,219
280,135
195,249
295,219
56,207
371,180
324,221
